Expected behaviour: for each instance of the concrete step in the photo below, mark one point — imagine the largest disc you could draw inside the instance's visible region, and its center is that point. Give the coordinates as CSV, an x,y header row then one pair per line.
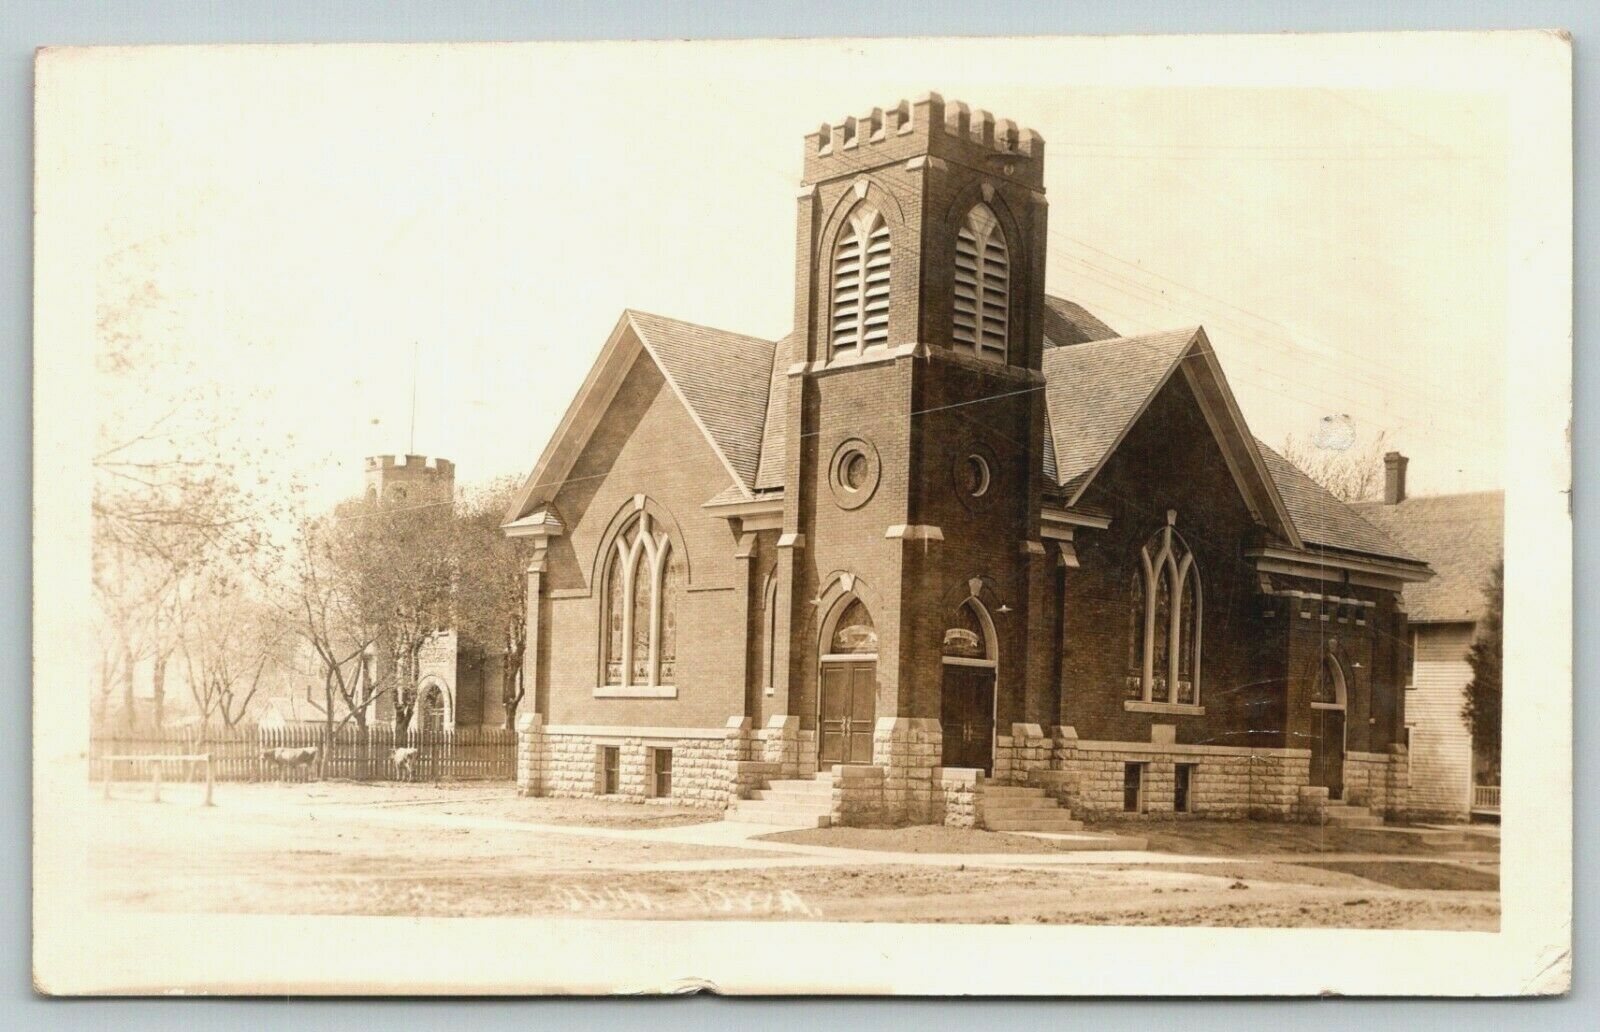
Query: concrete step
x,y
1019,809
795,796
1014,791
789,816
1060,825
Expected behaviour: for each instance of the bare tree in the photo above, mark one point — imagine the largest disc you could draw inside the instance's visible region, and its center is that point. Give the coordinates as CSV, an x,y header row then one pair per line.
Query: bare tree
x,y
492,586
1353,473
167,502
228,642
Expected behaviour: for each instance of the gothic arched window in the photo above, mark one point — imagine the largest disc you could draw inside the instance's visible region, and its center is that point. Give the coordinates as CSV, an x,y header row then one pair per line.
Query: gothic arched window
x,y
1164,623
982,287
860,317
641,593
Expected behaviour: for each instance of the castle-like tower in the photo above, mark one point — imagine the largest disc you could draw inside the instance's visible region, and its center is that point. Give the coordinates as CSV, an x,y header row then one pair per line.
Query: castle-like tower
x,y
916,427
398,480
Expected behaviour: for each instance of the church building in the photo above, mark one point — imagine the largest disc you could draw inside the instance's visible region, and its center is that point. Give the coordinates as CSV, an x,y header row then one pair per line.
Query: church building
x,y
951,536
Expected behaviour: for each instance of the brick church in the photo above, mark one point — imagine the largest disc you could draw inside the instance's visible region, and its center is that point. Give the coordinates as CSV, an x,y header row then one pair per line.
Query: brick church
x,y
950,536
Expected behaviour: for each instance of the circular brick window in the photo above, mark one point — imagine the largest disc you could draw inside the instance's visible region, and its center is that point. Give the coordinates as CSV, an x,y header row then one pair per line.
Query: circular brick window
x,y
973,474
853,473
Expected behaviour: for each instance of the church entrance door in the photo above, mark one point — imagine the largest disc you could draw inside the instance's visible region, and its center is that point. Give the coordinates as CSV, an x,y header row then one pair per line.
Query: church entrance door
x,y
848,711
966,717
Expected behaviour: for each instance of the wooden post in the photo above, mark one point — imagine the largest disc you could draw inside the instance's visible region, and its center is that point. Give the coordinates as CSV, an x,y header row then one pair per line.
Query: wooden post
x,y
105,777
207,760
155,782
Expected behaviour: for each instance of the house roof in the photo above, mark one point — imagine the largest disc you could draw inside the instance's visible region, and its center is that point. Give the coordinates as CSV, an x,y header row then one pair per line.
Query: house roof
x,y
736,390
1462,536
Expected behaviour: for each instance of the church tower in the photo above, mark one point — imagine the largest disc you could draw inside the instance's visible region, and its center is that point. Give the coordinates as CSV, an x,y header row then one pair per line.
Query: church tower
x,y
916,428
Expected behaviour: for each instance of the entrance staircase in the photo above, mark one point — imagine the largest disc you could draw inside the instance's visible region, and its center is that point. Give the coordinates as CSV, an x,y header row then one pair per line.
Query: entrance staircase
x,y
1021,808
1341,814
791,803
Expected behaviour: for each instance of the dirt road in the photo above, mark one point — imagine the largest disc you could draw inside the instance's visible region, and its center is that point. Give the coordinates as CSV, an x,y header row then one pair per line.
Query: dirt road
x,y
392,851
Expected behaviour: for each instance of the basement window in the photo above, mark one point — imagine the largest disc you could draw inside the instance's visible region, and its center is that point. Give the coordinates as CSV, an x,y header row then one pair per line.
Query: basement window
x,y
661,773
1133,787
610,769
1183,787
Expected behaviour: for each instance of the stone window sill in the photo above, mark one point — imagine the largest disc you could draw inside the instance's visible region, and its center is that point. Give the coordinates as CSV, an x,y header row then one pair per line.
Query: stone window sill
x,y
636,691
1177,708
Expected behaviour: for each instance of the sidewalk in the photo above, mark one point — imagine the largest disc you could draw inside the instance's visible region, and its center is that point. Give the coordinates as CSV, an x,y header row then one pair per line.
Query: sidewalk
x,y
745,838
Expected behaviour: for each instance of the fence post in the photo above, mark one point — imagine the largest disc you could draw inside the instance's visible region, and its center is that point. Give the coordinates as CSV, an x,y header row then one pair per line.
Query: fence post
x,y
155,781
208,779
105,775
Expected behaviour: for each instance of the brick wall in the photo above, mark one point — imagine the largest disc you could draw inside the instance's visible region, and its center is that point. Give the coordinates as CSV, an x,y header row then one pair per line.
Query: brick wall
x,y
646,443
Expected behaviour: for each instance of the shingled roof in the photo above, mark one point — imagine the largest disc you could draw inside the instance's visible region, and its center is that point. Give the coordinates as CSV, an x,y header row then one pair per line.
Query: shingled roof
x,y
1461,536
1067,322
1093,392
736,390
723,378
1323,519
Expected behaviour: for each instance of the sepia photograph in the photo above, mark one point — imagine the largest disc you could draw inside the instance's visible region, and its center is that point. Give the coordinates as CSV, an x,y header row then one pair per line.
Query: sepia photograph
x,y
742,501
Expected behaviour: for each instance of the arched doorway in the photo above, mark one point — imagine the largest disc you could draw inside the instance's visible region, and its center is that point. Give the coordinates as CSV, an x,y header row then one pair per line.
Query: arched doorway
x,y
967,702
1329,703
847,699
432,708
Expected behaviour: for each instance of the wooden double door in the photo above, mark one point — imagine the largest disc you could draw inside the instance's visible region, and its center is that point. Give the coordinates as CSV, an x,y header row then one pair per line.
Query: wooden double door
x,y
848,711
1327,750
966,716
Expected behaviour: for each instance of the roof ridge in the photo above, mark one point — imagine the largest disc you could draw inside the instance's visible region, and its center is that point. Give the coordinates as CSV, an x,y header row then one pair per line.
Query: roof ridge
x,y
702,326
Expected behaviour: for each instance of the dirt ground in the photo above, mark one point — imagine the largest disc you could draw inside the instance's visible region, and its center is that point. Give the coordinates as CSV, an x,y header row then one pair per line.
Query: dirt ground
x,y
481,851
1237,838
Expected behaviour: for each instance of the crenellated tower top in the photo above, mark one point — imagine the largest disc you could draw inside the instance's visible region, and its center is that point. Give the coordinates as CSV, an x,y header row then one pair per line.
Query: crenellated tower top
x,y
926,126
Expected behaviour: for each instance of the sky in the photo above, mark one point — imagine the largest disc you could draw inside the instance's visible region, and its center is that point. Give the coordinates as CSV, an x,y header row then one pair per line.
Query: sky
x,y
314,230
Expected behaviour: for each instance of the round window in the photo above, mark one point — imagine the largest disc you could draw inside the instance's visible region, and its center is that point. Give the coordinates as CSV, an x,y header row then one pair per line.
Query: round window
x,y
972,475
975,476
853,473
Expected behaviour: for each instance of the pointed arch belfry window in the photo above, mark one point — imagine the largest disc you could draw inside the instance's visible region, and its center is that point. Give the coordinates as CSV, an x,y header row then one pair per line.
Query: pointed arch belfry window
x,y
1164,609
860,308
640,607
982,286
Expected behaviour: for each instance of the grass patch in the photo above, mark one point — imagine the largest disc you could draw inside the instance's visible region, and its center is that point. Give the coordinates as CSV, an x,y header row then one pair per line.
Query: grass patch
x,y
1418,875
1243,838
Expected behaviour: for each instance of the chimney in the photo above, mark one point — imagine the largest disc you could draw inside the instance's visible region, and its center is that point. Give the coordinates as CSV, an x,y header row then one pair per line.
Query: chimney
x,y
1394,478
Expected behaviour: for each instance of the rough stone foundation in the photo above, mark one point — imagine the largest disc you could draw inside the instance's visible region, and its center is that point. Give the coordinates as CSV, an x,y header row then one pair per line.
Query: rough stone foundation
x,y
907,750
1226,781
1379,781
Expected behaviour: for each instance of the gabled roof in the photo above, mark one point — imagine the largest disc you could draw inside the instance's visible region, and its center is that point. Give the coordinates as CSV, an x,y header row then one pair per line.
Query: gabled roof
x,y
735,388
1324,520
721,378
1462,536
1094,393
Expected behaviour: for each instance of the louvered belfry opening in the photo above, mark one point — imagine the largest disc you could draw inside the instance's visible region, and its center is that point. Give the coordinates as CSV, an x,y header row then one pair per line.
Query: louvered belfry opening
x,y
861,283
982,286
